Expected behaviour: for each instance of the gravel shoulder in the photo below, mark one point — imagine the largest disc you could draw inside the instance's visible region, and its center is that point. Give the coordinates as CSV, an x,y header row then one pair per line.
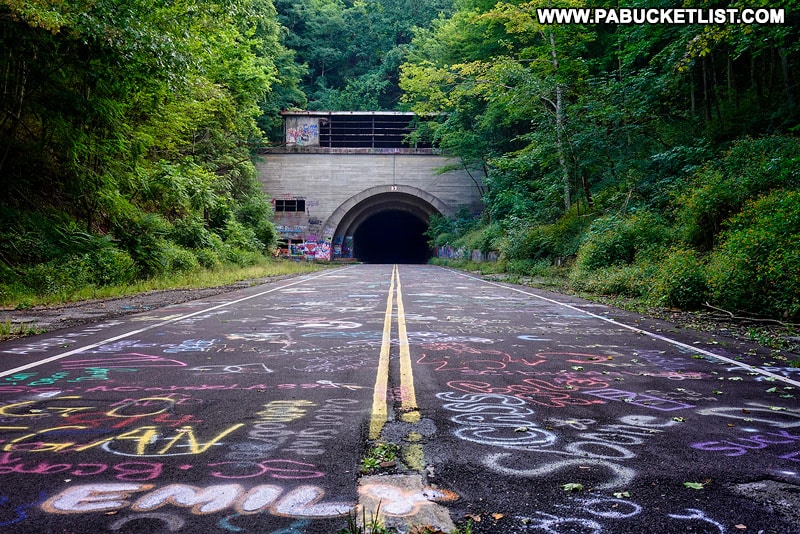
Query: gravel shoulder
x,y
43,319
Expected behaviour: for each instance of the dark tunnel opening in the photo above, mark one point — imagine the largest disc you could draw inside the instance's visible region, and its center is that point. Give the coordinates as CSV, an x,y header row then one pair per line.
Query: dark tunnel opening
x,y
391,236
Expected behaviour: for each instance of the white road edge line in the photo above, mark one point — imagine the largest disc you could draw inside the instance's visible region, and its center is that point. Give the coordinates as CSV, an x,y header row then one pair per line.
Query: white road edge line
x,y
640,331
163,323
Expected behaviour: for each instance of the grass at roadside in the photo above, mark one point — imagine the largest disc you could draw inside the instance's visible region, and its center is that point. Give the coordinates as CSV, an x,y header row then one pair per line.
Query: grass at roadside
x,y
196,279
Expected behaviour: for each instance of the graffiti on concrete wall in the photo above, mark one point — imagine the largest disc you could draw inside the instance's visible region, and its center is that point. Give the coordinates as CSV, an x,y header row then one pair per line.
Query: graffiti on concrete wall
x,y
302,131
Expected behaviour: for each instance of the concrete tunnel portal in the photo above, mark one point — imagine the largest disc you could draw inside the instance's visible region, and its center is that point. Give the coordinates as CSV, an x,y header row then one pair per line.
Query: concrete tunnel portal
x,y
356,185
389,227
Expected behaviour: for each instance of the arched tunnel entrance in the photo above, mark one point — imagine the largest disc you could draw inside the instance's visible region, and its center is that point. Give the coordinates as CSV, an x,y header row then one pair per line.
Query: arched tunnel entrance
x,y
391,236
386,224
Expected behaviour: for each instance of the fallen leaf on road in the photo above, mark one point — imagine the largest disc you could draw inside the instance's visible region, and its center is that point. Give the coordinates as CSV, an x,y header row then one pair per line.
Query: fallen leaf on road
x,y
497,517
622,494
572,486
521,429
694,485
741,527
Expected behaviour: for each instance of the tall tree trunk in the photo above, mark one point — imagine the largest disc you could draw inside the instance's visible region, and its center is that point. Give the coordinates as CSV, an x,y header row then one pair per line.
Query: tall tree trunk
x,y
560,125
784,56
706,97
587,190
19,95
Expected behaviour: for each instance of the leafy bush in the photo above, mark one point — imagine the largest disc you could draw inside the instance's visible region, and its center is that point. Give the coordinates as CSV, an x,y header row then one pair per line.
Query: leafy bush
x,y
208,258
256,213
27,238
530,267
549,241
627,280
482,238
527,242
142,235
752,167
242,257
59,277
190,232
440,230
680,280
242,237
756,268
111,266
179,259
612,240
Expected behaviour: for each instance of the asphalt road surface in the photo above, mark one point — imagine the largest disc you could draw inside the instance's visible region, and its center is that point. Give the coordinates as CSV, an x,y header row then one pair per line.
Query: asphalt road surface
x,y
512,410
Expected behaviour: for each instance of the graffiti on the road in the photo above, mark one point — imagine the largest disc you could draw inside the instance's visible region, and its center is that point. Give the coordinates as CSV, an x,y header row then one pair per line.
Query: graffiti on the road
x,y
144,441
484,361
333,363
301,501
272,432
138,471
504,421
755,412
129,360
639,399
536,391
495,420
236,368
595,515
65,341
34,379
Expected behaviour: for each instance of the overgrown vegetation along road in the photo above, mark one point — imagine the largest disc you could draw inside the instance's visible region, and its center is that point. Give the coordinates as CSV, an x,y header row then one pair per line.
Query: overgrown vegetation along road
x,y
646,153
781,339
663,159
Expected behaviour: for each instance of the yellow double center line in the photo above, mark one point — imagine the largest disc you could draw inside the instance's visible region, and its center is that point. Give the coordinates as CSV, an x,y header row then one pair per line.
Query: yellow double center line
x,y
408,398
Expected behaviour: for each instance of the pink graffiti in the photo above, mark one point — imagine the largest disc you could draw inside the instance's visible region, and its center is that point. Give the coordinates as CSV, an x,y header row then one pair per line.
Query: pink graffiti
x,y
127,471
142,471
537,391
301,502
131,359
481,366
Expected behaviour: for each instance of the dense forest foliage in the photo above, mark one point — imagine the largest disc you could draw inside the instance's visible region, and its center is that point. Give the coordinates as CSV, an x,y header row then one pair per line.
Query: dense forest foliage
x,y
129,128
654,160
126,137
352,50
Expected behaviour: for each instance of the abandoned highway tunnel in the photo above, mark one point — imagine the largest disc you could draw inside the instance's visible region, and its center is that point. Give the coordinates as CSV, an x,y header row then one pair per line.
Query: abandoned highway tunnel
x,y
348,186
391,236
